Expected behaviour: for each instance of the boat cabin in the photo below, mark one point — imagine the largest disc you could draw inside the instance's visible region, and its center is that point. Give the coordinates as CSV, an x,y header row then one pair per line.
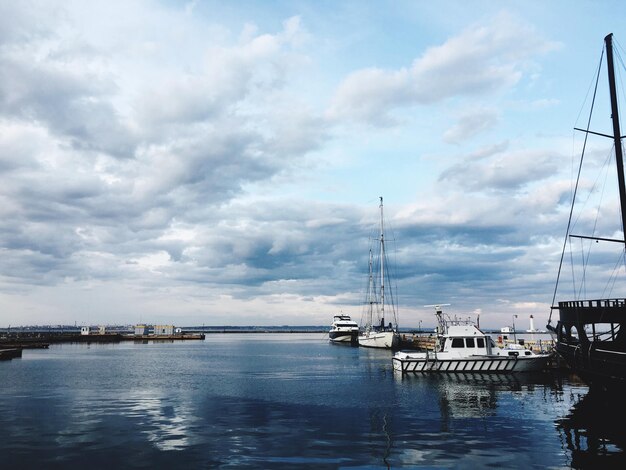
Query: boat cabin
x,y
468,340
465,340
341,322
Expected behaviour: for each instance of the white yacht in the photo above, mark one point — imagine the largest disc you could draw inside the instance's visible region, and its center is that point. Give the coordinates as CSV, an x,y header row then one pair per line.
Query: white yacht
x,y
343,330
465,348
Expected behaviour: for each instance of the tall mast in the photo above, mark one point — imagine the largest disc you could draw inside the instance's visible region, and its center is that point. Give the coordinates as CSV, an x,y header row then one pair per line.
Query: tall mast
x,y
382,264
608,40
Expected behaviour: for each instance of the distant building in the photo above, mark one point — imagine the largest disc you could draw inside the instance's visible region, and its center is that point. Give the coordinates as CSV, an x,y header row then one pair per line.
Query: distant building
x,y
164,330
102,330
85,330
141,330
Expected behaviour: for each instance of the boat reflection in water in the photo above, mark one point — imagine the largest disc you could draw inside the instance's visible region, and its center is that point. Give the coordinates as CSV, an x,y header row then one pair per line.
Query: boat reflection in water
x,y
473,395
512,411
593,430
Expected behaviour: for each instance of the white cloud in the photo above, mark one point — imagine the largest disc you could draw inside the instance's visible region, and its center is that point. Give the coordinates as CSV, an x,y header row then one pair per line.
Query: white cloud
x,y
481,60
145,150
509,171
470,124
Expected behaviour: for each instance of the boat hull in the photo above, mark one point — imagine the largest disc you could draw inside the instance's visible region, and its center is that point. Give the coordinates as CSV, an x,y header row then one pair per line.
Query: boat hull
x,y
380,339
595,365
591,339
424,363
344,337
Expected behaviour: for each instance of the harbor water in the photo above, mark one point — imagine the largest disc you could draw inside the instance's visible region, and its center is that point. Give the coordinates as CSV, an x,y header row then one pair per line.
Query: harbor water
x,y
289,400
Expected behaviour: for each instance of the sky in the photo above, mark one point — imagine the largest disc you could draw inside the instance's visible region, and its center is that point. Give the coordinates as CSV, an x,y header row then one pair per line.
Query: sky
x,y
221,163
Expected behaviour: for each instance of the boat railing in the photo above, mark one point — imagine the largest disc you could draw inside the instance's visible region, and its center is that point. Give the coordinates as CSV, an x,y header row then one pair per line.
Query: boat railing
x,y
599,303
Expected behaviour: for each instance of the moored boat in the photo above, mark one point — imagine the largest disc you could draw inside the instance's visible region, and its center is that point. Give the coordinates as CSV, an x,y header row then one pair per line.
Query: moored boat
x,y
378,334
463,347
344,330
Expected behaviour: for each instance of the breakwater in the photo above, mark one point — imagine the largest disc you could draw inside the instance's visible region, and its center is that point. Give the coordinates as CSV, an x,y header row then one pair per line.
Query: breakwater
x,y
44,339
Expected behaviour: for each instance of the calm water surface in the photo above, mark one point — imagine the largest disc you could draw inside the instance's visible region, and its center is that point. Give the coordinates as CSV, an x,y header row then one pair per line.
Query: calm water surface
x,y
285,401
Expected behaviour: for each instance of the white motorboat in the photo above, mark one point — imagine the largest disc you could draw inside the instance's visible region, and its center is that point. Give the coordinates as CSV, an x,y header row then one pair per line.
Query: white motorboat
x,y
378,334
344,330
465,348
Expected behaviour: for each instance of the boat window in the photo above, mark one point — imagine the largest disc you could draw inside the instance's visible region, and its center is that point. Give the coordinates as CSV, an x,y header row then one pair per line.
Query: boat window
x,y
480,342
574,334
568,334
602,331
457,342
469,342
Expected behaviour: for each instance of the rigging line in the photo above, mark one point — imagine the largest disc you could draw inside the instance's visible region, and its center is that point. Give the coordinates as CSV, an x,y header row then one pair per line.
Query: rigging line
x,y
393,269
392,297
621,61
571,262
595,222
614,275
622,88
595,184
595,91
584,279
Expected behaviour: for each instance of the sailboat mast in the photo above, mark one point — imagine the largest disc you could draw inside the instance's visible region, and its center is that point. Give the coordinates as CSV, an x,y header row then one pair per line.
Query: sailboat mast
x,y
382,264
608,40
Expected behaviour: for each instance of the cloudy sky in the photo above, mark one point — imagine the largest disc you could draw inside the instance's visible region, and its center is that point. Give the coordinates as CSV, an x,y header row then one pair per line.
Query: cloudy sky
x,y
212,162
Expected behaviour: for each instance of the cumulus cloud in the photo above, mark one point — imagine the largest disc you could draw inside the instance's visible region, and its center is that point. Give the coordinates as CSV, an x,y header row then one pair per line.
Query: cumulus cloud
x,y
480,60
103,163
470,124
134,138
509,170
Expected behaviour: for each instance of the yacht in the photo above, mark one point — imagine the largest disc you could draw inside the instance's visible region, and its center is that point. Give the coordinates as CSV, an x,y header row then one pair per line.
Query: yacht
x,y
344,330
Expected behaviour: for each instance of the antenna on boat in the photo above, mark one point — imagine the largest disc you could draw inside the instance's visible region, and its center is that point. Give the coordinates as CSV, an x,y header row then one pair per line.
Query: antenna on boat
x,y
438,308
441,322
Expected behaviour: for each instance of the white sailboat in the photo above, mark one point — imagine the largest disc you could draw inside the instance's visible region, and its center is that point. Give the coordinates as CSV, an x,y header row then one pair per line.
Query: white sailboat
x,y
378,334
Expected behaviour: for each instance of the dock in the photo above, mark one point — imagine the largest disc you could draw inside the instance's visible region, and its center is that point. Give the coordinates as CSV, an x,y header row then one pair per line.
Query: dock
x,y
43,340
417,342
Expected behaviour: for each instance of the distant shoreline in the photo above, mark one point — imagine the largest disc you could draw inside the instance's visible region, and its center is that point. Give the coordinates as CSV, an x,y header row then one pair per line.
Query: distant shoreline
x,y
125,329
